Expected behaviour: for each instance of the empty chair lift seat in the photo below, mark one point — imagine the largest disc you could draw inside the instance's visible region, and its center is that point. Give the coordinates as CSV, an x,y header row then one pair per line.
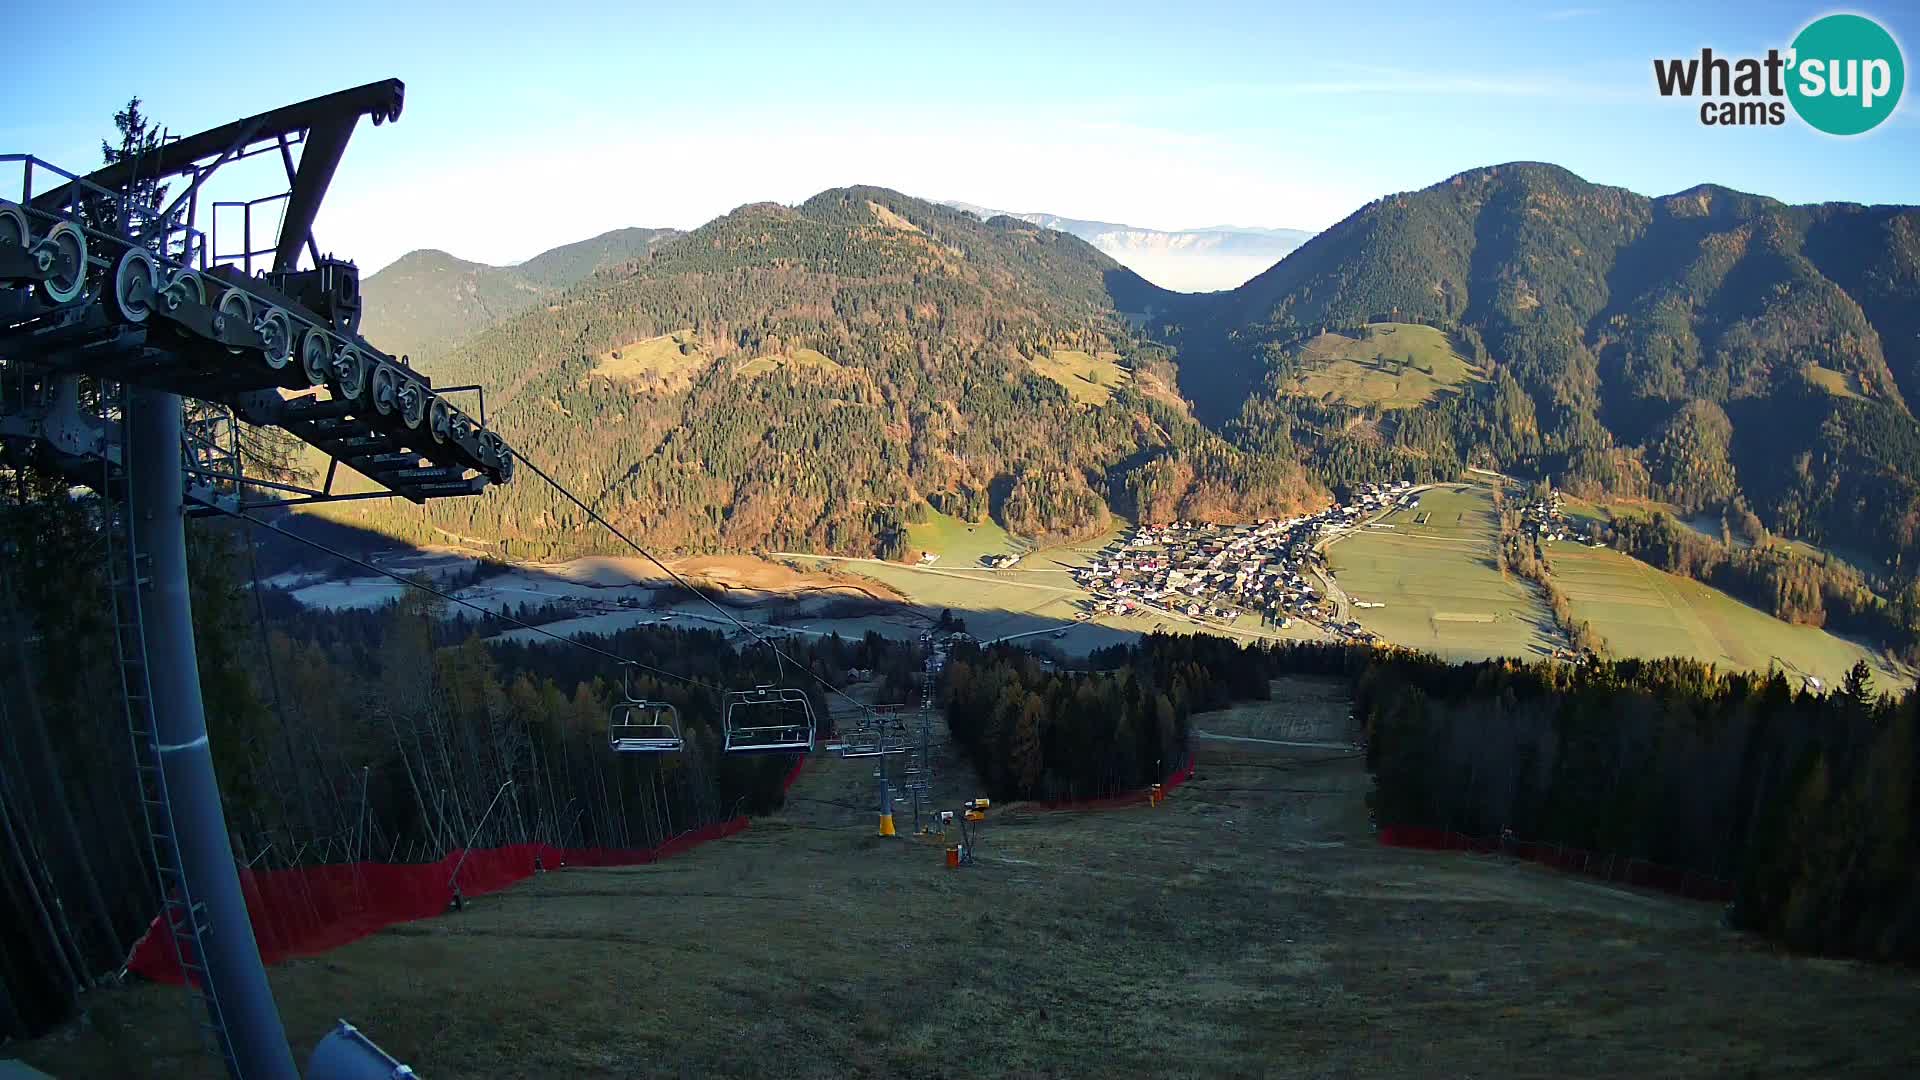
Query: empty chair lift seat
x,y
644,727
769,719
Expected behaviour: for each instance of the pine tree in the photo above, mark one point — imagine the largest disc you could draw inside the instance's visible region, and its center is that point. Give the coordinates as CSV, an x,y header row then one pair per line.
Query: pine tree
x,y
1027,763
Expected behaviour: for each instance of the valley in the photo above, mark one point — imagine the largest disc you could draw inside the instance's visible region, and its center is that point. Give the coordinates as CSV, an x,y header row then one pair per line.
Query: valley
x,y
836,377
1414,570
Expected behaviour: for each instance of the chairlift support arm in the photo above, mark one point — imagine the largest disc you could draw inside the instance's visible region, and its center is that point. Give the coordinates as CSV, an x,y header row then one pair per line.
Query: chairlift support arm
x,y
326,123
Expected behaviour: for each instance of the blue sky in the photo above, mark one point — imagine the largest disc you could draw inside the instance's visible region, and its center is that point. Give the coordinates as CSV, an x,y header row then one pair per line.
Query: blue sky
x,y
529,125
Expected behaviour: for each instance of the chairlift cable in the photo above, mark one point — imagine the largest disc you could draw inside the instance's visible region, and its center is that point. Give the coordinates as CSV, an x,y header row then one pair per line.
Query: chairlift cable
x,y
780,658
466,603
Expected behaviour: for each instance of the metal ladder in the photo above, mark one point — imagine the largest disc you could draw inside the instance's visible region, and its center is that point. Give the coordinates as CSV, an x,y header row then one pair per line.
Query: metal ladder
x,y
185,918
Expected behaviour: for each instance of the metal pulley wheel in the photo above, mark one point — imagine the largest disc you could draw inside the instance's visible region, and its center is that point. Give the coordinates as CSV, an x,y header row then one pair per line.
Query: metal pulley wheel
x,y
440,419
64,250
14,231
277,329
413,404
135,284
315,350
184,287
237,308
350,373
386,388
494,449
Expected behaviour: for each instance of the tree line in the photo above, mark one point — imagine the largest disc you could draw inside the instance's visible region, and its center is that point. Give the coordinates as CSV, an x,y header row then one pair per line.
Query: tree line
x,y
1032,732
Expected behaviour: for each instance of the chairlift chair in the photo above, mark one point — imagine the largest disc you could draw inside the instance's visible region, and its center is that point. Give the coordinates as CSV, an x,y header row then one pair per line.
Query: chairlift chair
x,y
639,726
769,719
645,727
861,742
878,731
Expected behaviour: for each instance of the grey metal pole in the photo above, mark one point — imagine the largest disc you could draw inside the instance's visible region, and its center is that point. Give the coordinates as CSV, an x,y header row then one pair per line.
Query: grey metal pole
x,y
235,974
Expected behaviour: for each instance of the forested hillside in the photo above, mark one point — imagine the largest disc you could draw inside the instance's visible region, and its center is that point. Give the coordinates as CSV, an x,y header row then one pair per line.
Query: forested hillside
x,y
1711,349
428,301
815,376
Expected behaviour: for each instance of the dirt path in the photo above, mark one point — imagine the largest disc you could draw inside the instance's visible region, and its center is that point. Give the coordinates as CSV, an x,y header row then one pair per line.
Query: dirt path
x,y
1250,927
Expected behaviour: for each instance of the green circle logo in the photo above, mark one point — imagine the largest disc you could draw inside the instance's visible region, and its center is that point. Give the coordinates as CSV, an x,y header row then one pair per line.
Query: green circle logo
x,y
1847,74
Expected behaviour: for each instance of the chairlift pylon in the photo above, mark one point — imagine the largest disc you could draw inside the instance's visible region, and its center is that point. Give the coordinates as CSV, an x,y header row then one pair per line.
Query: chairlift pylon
x,y
880,730
768,718
639,726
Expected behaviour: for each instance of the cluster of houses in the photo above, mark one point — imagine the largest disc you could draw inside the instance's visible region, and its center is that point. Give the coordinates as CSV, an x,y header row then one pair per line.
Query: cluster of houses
x,y
1219,571
1542,519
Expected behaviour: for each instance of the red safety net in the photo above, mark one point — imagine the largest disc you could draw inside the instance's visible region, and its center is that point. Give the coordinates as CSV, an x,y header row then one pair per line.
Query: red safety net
x,y
1175,779
793,773
305,911
1636,872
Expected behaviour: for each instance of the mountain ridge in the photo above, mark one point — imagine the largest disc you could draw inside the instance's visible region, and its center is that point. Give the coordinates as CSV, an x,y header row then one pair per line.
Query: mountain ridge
x,y
1600,315
822,375
412,308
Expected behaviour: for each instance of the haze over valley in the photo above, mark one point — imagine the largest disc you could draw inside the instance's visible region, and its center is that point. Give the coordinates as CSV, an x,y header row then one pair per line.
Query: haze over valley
x,y
1184,260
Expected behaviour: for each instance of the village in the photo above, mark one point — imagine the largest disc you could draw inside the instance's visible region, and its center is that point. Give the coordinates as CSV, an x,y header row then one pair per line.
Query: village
x,y
1218,572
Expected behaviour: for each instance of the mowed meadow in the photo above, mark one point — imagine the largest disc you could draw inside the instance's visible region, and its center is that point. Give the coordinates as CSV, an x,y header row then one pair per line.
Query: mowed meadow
x,y
1645,612
1388,365
1434,572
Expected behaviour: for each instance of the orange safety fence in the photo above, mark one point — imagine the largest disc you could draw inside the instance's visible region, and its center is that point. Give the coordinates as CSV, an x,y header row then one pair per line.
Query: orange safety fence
x,y
307,910
1628,871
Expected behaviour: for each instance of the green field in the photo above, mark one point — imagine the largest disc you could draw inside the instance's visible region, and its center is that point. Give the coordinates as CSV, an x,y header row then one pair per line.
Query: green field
x,y
1645,612
994,603
1088,379
1837,383
962,543
1437,580
1393,366
670,359
799,359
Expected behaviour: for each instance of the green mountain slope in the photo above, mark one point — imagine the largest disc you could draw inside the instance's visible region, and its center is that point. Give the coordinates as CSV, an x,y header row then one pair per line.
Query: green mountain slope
x,y
1604,321
817,376
428,300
